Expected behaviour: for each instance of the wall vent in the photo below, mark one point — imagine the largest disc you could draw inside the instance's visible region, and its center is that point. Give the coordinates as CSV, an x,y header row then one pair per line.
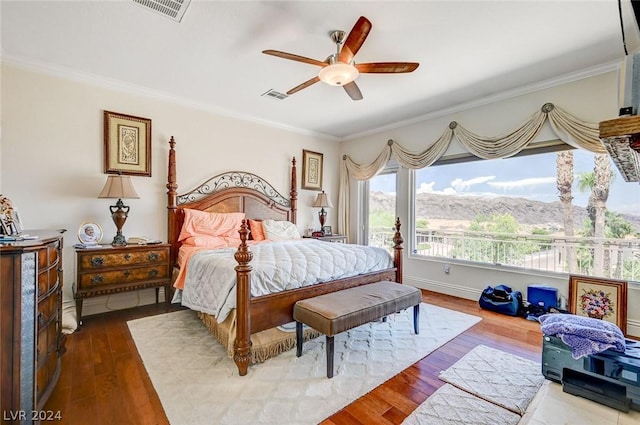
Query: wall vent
x,y
274,94
173,9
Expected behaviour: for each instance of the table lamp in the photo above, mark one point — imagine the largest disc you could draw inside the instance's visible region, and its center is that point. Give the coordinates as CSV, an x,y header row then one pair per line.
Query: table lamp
x,y
322,201
119,187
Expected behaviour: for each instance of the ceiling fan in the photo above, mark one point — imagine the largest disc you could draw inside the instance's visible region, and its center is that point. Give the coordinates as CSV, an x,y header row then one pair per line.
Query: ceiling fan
x,y
339,69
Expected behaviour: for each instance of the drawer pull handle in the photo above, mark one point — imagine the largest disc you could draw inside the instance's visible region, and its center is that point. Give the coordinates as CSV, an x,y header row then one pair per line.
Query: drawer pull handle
x,y
97,261
97,279
40,319
153,256
127,257
153,273
127,273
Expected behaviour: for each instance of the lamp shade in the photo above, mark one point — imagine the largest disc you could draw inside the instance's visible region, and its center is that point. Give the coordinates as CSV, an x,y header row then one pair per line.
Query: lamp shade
x,y
118,187
323,201
338,74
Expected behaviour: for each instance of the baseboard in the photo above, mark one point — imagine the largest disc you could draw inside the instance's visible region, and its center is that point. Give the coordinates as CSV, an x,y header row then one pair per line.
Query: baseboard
x,y
121,301
444,287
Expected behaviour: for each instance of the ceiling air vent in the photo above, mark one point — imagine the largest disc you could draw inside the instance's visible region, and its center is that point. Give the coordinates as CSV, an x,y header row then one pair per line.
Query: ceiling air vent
x,y
274,94
173,9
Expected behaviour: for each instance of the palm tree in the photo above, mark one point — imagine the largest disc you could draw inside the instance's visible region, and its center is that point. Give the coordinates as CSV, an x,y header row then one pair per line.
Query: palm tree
x,y
599,181
564,182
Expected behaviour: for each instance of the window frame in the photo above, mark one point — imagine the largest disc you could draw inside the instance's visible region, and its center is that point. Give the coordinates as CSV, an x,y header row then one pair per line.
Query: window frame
x,y
535,149
392,167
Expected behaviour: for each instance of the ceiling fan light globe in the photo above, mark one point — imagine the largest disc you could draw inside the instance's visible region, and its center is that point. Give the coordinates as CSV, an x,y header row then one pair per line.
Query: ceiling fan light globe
x,y
338,74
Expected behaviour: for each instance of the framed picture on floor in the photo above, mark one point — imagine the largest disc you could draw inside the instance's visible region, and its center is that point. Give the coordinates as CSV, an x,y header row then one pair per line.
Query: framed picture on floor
x,y
599,298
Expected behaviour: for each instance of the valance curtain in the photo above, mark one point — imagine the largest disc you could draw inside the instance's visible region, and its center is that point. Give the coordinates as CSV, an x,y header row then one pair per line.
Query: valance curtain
x,y
568,128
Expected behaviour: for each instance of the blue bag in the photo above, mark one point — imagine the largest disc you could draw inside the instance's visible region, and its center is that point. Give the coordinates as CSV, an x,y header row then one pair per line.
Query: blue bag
x,y
502,299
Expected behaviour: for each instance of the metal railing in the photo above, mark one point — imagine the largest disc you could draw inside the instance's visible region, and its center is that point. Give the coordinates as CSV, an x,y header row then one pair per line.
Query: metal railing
x,y
620,257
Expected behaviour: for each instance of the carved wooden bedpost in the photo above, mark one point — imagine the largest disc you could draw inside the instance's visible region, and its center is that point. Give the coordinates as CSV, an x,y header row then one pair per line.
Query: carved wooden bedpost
x,y
172,207
294,192
397,250
242,344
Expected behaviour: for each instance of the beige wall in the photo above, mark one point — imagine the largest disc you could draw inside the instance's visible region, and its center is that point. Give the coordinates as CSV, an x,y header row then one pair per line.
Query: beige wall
x,y
52,159
592,99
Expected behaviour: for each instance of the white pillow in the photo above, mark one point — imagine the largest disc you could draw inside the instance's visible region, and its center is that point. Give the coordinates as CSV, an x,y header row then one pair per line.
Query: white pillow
x,y
280,230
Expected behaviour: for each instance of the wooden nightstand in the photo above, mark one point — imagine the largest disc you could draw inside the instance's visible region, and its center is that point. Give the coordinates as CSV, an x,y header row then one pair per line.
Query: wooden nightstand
x,y
109,270
332,238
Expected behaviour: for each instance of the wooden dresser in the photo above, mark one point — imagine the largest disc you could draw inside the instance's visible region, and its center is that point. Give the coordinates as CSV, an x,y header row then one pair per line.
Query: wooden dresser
x,y
109,270
30,323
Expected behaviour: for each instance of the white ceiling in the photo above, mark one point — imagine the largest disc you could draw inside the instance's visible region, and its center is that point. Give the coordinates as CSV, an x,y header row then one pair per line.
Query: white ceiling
x,y
469,51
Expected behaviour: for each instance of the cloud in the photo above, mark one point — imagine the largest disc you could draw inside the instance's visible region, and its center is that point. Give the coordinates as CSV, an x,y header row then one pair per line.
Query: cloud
x,y
517,184
461,185
426,188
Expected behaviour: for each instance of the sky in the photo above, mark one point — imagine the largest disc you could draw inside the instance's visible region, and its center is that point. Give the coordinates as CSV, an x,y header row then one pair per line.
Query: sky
x,y
531,177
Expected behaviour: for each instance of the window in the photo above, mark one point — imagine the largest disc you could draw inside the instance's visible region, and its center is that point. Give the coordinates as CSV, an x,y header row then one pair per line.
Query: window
x,y
508,212
380,212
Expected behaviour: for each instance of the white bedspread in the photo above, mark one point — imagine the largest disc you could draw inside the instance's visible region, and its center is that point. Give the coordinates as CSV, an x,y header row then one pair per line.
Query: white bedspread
x,y
210,284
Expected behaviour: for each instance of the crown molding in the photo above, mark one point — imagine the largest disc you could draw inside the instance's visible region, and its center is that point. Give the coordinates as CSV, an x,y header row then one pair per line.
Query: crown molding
x,y
132,89
498,97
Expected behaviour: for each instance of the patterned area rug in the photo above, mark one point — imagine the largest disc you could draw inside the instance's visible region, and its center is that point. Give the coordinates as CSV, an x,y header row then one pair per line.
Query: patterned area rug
x,y
198,384
452,406
501,378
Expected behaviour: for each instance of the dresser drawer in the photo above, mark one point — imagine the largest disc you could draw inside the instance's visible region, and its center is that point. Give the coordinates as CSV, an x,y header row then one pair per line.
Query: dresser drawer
x,y
97,260
121,277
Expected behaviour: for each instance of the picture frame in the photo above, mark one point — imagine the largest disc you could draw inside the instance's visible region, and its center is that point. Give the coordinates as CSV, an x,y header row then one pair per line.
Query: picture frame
x,y
312,164
599,298
90,233
10,223
326,230
127,144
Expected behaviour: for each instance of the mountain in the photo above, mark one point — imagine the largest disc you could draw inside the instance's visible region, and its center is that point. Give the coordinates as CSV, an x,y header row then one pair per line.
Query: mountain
x,y
455,211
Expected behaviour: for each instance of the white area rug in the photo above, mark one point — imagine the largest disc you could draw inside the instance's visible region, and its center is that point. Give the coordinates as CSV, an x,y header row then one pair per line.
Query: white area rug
x,y
452,406
501,378
198,384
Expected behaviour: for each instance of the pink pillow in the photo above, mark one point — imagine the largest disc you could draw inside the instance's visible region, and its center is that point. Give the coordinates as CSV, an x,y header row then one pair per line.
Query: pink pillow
x,y
257,233
212,241
202,223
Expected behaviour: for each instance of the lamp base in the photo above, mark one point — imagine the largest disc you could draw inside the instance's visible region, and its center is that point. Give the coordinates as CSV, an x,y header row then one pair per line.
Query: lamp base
x,y
119,213
322,216
119,240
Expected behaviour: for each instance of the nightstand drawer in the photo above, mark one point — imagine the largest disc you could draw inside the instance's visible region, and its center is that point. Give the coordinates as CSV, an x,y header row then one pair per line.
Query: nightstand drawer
x,y
122,277
114,269
96,260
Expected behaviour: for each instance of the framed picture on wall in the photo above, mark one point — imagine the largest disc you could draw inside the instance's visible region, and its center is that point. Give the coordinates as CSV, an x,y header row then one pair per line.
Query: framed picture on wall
x,y
599,298
127,144
311,170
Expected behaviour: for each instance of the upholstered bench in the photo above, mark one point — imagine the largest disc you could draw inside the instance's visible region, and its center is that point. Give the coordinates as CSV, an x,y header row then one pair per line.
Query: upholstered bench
x,y
340,311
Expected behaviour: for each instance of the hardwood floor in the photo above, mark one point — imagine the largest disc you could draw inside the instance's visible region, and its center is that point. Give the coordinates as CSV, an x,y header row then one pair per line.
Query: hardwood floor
x,y
104,382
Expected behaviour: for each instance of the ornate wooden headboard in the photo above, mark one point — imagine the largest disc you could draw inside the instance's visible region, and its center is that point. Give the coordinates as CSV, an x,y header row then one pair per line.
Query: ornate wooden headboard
x,y
234,191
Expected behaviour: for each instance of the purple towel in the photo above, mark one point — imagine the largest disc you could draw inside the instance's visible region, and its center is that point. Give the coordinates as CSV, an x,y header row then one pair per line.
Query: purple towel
x,y
584,335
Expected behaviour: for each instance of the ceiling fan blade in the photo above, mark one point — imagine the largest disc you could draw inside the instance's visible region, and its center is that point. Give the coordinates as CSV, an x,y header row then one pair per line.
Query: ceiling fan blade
x,y
293,57
353,90
303,85
354,40
386,67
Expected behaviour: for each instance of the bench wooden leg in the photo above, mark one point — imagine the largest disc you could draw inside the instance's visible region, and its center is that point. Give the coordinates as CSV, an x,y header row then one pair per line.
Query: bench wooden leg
x,y
329,344
416,318
298,339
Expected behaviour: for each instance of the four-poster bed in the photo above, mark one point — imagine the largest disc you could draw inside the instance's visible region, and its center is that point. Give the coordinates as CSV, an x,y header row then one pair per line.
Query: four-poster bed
x,y
249,194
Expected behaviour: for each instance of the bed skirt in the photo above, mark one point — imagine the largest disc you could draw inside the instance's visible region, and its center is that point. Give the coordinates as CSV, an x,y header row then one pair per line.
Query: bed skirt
x,y
264,345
